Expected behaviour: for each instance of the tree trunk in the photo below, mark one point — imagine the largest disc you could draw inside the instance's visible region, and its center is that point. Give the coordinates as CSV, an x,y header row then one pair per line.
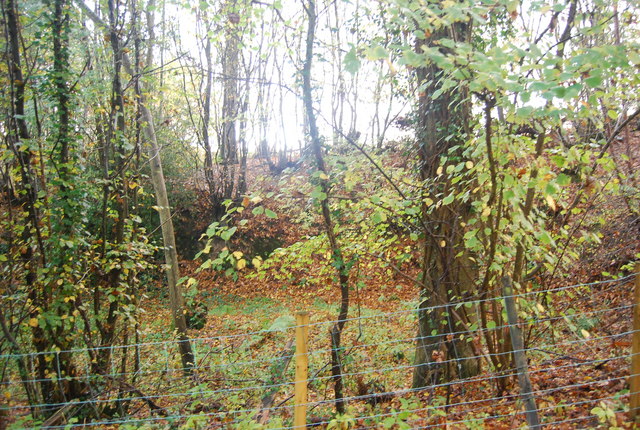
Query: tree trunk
x,y
31,237
206,117
166,224
445,274
336,252
176,296
231,66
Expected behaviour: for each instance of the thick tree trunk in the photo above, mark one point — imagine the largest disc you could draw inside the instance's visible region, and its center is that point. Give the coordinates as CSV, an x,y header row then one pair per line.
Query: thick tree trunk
x,y
446,275
206,117
230,66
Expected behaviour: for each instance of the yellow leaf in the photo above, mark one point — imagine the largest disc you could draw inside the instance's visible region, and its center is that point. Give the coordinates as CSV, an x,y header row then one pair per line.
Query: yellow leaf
x,y
257,262
469,164
323,176
237,254
242,264
552,203
33,322
443,243
439,171
486,211
132,185
585,334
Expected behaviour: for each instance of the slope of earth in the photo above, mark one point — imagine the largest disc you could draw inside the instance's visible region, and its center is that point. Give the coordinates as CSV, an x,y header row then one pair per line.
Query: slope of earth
x,y
579,351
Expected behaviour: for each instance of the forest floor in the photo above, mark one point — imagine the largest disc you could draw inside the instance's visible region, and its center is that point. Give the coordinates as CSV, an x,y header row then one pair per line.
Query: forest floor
x,y
581,374
577,337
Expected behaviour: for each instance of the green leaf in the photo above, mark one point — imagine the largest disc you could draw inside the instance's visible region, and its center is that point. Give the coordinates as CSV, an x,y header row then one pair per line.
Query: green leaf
x,y
573,91
226,235
258,210
559,91
448,200
270,214
594,81
318,194
377,52
563,180
211,231
351,62
545,238
379,217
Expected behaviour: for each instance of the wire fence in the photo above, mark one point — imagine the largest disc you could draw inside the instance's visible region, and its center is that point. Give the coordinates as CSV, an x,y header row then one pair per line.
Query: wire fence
x,y
577,340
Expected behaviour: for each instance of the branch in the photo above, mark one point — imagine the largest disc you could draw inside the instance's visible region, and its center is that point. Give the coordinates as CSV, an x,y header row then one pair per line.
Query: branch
x,y
613,135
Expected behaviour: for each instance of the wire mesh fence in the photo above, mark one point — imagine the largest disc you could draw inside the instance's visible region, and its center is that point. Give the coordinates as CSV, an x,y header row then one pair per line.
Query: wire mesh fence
x,y
577,340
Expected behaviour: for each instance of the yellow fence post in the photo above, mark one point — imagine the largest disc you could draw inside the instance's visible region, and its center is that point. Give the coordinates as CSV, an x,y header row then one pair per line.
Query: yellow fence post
x,y
302,371
634,382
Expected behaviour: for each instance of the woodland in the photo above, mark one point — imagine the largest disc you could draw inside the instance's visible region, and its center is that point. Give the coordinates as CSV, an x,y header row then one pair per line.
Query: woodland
x,y
448,188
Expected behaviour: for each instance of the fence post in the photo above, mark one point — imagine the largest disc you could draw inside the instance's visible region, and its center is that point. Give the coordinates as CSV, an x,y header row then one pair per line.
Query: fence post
x,y
302,371
634,382
519,356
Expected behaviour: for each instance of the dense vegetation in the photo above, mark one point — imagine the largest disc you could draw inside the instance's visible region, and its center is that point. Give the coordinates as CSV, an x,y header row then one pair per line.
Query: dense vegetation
x,y
159,154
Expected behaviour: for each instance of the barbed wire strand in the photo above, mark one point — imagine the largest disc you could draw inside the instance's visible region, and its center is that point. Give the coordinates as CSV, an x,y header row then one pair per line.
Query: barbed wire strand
x,y
167,370
223,414
315,324
317,379
364,397
459,412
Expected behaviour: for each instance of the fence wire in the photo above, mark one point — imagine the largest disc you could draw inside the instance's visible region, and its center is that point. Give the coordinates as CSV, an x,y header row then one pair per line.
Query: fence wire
x,y
236,380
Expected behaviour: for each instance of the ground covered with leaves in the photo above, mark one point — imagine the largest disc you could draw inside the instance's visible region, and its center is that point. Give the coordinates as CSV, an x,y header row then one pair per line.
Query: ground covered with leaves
x,y
577,339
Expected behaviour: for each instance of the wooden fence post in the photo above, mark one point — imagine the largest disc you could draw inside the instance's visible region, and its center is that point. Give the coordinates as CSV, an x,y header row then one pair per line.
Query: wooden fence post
x,y
634,383
302,371
526,390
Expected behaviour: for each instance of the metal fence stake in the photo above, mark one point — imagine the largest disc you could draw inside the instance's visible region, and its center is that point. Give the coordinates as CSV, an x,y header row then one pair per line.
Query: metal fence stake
x,y
519,356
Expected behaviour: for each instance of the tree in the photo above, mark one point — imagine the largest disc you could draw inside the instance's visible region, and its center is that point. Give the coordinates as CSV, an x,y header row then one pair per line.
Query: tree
x,y
171,256
442,123
342,267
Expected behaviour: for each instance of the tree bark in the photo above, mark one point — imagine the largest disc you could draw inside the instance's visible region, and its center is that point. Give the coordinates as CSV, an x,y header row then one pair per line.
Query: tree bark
x,y
338,259
18,133
445,273
230,71
166,224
